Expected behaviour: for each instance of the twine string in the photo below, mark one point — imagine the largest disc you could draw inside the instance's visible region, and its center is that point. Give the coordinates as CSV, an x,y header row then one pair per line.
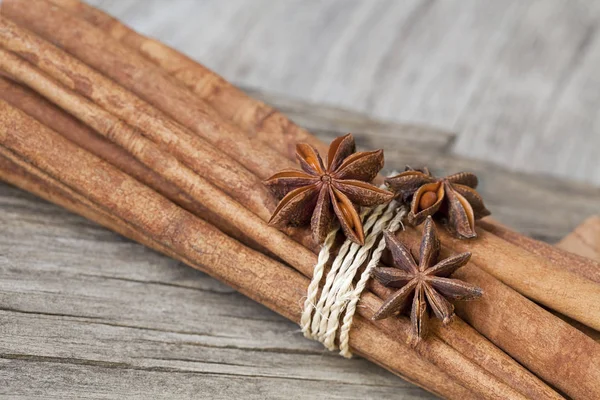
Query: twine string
x,y
339,296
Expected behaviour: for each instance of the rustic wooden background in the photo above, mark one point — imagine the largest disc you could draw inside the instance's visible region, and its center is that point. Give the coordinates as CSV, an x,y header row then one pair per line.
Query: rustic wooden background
x,y
85,313
516,79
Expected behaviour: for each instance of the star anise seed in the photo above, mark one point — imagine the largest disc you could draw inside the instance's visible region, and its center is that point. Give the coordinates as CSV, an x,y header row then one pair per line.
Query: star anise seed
x,y
428,281
453,196
321,191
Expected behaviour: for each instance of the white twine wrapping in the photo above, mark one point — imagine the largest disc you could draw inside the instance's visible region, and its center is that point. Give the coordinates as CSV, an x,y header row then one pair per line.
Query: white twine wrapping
x,y
321,318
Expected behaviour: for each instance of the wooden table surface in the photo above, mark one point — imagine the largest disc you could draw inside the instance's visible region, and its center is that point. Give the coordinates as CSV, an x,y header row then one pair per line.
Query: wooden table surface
x,y
85,313
516,79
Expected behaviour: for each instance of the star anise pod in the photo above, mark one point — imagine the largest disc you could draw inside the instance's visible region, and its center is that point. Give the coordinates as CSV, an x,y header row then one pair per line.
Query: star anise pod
x,y
321,191
429,281
454,197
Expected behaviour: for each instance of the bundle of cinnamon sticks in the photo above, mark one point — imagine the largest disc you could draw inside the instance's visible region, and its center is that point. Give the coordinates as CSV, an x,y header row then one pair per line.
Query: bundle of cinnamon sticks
x,y
143,140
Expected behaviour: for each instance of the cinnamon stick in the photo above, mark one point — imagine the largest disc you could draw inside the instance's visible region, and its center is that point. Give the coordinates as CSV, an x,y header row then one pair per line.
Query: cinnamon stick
x,y
53,117
561,258
584,243
147,153
574,263
546,345
258,119
142,77
533,276
194,152
104,194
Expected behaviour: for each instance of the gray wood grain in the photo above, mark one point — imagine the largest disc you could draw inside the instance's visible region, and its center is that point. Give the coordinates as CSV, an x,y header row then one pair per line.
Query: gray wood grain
x,y
541,206
85,313
516,80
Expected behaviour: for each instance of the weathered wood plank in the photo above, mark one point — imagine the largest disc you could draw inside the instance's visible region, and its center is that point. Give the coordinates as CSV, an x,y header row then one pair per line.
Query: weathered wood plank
x,y
86,313
585,239
506,117
541,206
571,128
515,79
328,122
79,379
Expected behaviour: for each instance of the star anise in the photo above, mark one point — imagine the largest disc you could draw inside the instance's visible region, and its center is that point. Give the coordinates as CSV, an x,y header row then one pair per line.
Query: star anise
x,y
454,197
319,192
428,281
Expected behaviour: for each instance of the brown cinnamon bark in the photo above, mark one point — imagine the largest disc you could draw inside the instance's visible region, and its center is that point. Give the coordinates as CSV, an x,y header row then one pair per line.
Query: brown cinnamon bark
x,y
50,115
143,78
197,154
594,334
558,256
104,194
163,163
583,242
533,276
258,119
574,263
466,340
546,345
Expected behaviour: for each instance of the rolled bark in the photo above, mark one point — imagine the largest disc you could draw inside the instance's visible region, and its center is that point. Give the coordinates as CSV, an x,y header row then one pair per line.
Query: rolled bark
x,y
577,264
163,163
584,243
533,276
199,155
466,340
142,77
258,119
549,347
98,191
55,118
